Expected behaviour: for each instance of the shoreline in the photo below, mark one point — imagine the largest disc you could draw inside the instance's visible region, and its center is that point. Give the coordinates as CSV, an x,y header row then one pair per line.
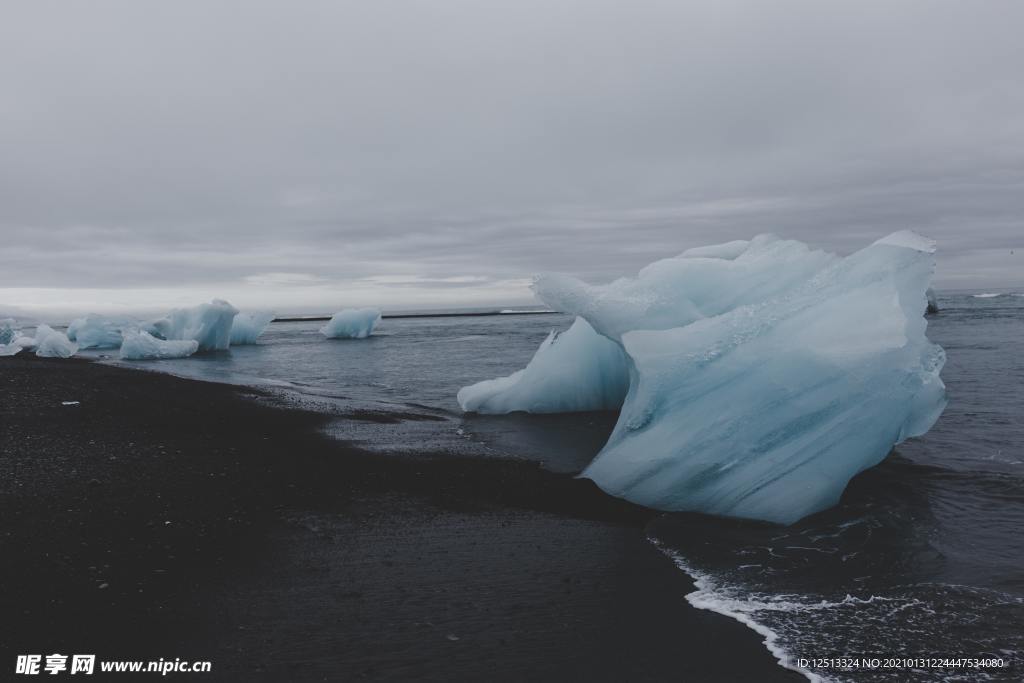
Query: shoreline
x,y
168,517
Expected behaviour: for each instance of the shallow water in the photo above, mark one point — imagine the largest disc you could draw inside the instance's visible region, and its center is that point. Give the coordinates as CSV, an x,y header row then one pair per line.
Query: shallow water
x,y
923,557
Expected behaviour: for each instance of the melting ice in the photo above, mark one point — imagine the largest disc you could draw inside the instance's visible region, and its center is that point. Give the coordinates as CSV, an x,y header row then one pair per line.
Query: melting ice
x,y
763,375
209,325
97,332
573,371
49,343
141,345
351,323
247,327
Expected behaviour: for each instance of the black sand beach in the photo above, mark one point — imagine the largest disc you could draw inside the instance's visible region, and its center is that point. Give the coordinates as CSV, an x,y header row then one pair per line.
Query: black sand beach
x,y
161,517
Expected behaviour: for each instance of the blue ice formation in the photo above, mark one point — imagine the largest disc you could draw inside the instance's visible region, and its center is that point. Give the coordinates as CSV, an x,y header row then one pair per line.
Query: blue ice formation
x,y
12,341
573,371
8,331
49,343
351,323
207,324
141,345
247,327
96,332
763,375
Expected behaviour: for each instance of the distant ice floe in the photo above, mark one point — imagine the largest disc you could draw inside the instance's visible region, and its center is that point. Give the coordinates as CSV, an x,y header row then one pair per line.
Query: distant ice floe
x,y
352,323
763,375
573,371
987,295
141,345
207,324
182,332
247,327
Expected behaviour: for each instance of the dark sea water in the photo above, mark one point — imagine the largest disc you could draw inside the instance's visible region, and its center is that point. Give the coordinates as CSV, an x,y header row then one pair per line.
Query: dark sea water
x,y
924,557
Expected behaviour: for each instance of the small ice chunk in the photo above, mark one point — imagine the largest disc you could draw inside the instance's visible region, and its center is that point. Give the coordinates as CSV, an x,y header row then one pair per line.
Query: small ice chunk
x,y
9,349
96,332
247,327
573,371
351,323
70,403
49,343
207,324
8,331
141,345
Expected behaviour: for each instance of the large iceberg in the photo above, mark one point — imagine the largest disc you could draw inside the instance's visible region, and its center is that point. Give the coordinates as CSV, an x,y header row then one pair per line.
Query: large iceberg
x,y
141,345
207,324
351,323
96,332
247,327
573,371
763,375
49,343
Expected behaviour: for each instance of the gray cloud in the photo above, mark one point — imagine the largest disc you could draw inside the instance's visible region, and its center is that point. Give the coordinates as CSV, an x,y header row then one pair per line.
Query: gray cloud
x,y
457,147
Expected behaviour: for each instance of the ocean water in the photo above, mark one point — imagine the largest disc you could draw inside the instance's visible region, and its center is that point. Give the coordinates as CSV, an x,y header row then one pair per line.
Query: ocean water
x,y
923,558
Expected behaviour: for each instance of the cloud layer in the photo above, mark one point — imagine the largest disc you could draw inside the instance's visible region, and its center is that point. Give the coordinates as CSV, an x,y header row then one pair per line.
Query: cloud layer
x,y
410,153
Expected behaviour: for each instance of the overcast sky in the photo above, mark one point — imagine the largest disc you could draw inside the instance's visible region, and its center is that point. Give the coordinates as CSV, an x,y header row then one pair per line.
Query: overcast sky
x,y
308,155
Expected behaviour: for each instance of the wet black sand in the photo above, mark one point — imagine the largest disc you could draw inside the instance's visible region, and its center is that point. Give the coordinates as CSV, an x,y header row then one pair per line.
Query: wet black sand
x,y
162,517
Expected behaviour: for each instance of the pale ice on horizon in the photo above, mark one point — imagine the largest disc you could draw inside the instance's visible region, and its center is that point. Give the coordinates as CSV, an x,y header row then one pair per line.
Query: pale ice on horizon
x,y
351,323
763,375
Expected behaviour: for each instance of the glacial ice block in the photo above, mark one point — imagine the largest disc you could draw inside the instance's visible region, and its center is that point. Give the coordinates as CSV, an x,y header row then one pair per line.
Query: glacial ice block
x,y
141,345
96,332
247,327
8,331
351,323
49,343
207,324
762,375
573,371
